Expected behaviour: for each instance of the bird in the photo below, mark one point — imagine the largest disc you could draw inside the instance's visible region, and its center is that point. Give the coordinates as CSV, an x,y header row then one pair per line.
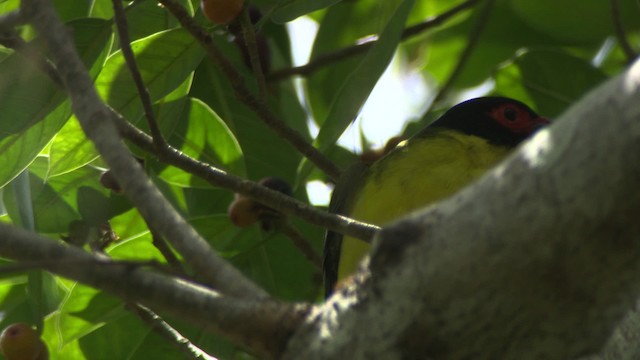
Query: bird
x,y
444,157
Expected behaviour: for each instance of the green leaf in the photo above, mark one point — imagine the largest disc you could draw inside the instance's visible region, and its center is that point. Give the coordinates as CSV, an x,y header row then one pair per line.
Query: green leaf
x,y
26,94
15,304
576,21
265,153
497,43
85,310
145,18
70,149
17,152
357,87
552,80
292,9
164,59
54,201
34,110
127,337
269,259
196,130
424,10
70,10
9,5
343,25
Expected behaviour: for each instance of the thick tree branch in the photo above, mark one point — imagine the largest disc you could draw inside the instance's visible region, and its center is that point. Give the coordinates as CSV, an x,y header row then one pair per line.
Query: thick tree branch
x,y
95,119
538,259
623,343
263,326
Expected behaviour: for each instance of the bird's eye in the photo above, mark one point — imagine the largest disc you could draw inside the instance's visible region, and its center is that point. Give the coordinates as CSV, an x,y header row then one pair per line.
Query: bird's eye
x,y
510,114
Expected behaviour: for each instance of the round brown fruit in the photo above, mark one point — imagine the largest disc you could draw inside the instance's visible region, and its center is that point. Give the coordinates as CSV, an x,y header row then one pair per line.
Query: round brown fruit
x,y
21,342
243,211
109,181
221,11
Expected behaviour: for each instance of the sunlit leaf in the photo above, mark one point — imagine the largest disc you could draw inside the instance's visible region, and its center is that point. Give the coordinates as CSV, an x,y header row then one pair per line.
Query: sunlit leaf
x,y
291,9
358,85
35,109
164,59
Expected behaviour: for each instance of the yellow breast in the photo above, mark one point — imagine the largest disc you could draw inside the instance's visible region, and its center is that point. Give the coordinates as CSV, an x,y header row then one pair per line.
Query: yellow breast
x,y
418,172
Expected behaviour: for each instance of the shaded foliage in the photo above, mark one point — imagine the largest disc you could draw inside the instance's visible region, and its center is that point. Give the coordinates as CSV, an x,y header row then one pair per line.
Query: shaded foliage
x,y
528,50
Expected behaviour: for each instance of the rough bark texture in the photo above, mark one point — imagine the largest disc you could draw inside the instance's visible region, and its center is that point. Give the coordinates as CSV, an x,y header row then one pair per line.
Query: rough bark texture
x,y
538,259
624,344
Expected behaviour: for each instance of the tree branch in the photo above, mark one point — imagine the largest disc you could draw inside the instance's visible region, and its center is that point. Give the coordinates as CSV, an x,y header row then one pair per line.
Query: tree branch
x,y
537,259
620,34
262,325
165,330
255,104
269,197
95,119
249,40
130,59
10,38
217,177
11,20
623,343
323,60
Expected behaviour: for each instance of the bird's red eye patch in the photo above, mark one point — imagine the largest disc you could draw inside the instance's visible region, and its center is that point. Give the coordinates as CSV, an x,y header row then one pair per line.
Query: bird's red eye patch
x,y
516,119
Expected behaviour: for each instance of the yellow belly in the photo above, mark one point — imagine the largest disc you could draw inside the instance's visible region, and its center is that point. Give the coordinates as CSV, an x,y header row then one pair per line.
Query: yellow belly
x,y
415,174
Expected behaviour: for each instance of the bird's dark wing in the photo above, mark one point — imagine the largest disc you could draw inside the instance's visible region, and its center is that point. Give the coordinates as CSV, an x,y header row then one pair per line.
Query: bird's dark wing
x,y
341,201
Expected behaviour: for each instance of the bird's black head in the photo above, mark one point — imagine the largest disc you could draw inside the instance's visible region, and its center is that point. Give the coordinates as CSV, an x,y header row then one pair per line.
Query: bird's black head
x,y
500,120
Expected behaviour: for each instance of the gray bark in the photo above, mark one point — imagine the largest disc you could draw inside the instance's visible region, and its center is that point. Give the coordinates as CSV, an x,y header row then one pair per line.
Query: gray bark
x,y
537,260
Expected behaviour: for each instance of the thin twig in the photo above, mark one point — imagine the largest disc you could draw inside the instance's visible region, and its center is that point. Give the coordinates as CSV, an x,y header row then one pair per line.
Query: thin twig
x,y
264,195
161,327
250,42
329,58
437,20
243,93
474,37
162,246
620,33
125,45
